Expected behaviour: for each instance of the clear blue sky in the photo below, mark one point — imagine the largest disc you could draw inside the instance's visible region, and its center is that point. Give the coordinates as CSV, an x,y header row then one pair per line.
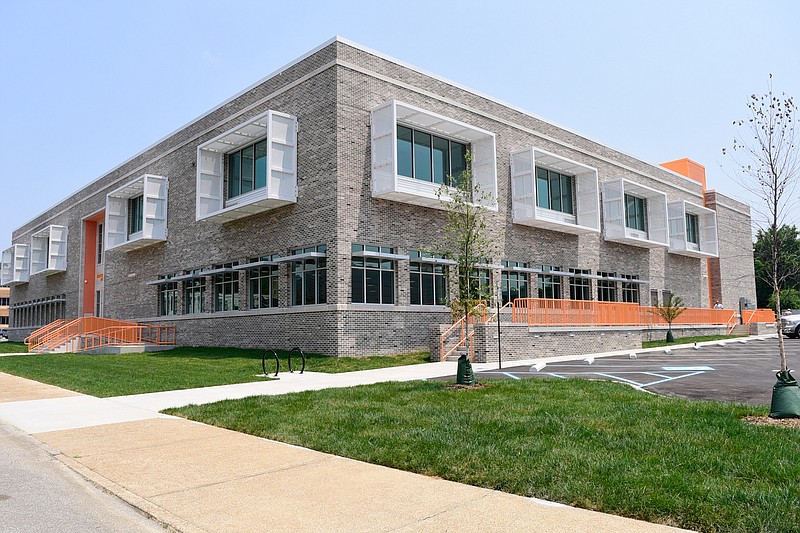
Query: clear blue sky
x,y
86,85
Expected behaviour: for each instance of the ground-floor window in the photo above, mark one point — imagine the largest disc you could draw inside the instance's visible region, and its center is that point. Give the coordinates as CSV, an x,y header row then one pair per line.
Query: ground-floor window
x,y
168,299
309,277
194,295
549,285
428,280
263,282
226,289
480,284
630,290
373,277
580,288
606,289
513,285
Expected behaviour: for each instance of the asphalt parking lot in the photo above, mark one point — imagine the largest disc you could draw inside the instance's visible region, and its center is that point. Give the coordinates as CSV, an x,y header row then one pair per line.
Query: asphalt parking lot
x,y
738,371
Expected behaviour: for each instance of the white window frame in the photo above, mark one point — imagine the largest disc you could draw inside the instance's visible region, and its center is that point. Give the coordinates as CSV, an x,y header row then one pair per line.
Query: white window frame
x,y
14,265
706,229
280,130
523,193
155,195
388,184
48,251
614,228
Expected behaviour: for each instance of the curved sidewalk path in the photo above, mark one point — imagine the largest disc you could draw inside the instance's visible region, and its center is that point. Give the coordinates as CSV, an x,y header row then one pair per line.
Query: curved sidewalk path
x,y
195,477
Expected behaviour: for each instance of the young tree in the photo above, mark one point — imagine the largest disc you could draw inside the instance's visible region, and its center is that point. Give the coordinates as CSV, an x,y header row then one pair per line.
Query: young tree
x,y
766,154
671,309
467,240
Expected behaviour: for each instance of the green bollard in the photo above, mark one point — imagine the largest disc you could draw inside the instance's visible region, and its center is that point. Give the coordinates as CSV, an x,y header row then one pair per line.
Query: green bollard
x,y
785,397
465,375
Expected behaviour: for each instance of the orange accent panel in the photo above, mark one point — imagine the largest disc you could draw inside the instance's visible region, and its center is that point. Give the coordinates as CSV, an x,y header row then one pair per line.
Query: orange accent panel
x,y
690,169
89,262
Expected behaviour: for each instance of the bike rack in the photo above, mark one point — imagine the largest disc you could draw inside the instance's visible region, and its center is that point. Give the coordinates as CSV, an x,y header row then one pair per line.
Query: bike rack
x,y
277,362
301,355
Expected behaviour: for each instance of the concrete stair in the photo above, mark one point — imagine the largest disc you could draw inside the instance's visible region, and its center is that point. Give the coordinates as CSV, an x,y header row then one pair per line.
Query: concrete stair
x,y
741,329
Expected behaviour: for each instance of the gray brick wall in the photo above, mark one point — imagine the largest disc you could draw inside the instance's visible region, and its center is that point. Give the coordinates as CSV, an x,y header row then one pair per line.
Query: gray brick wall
x,y
332,92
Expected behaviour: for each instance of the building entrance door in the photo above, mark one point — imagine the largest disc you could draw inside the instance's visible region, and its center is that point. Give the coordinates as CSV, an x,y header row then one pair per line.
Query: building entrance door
x,y
93,265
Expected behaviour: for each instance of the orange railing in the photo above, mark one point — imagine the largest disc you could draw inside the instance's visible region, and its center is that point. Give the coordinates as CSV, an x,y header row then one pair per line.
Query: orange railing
x,y
94,332
34,337
547,312
461,332
759,315
120,335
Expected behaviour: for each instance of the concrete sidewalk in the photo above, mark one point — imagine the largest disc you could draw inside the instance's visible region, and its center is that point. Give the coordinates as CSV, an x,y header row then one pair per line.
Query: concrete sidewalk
x,y
195,477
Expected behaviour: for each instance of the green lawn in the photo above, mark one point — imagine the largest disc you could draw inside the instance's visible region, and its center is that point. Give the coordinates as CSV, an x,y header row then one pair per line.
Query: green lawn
x,y
688,340
13,347
597,445
180,368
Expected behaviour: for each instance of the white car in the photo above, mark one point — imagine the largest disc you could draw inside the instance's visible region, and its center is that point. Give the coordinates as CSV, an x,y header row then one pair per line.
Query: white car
x,y
790,326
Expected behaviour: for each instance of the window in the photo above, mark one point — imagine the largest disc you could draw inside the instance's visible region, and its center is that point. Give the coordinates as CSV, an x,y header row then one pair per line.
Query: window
x,y
135,218
263,282
194,294
692,234
607,289
630,290
580,288
549,285
513,285
635,212
3,302
4,320
428,280
98,303
480,285
247,169
309,277
554,191
428,157
99,243
167,297
226,288
373,277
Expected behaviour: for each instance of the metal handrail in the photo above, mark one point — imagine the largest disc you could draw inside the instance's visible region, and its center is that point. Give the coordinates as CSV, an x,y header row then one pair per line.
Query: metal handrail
x,y
465,333
551,312
34,336
95,332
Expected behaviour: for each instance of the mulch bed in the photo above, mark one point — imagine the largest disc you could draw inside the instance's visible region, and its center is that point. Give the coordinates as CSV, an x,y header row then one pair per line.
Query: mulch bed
x,y
778,422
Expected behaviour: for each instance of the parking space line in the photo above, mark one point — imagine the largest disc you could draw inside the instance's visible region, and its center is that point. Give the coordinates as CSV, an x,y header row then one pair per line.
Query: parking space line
x,y
674,378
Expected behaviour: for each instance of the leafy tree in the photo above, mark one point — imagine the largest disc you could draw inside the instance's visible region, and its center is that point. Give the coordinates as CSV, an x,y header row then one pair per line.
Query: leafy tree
x,y
671,309
790,299
788,265
467,240
766,153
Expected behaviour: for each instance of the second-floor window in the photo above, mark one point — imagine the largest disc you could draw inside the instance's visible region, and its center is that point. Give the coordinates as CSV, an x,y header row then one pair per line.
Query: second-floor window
x,y
554,191
692,233
428,157
135,214
635,212
247,169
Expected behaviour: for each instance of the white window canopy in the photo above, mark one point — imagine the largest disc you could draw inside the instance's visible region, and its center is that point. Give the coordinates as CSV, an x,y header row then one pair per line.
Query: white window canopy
x,y
388,184
151,223
654,234
706,232
14,265
49,251
280,187
586,208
